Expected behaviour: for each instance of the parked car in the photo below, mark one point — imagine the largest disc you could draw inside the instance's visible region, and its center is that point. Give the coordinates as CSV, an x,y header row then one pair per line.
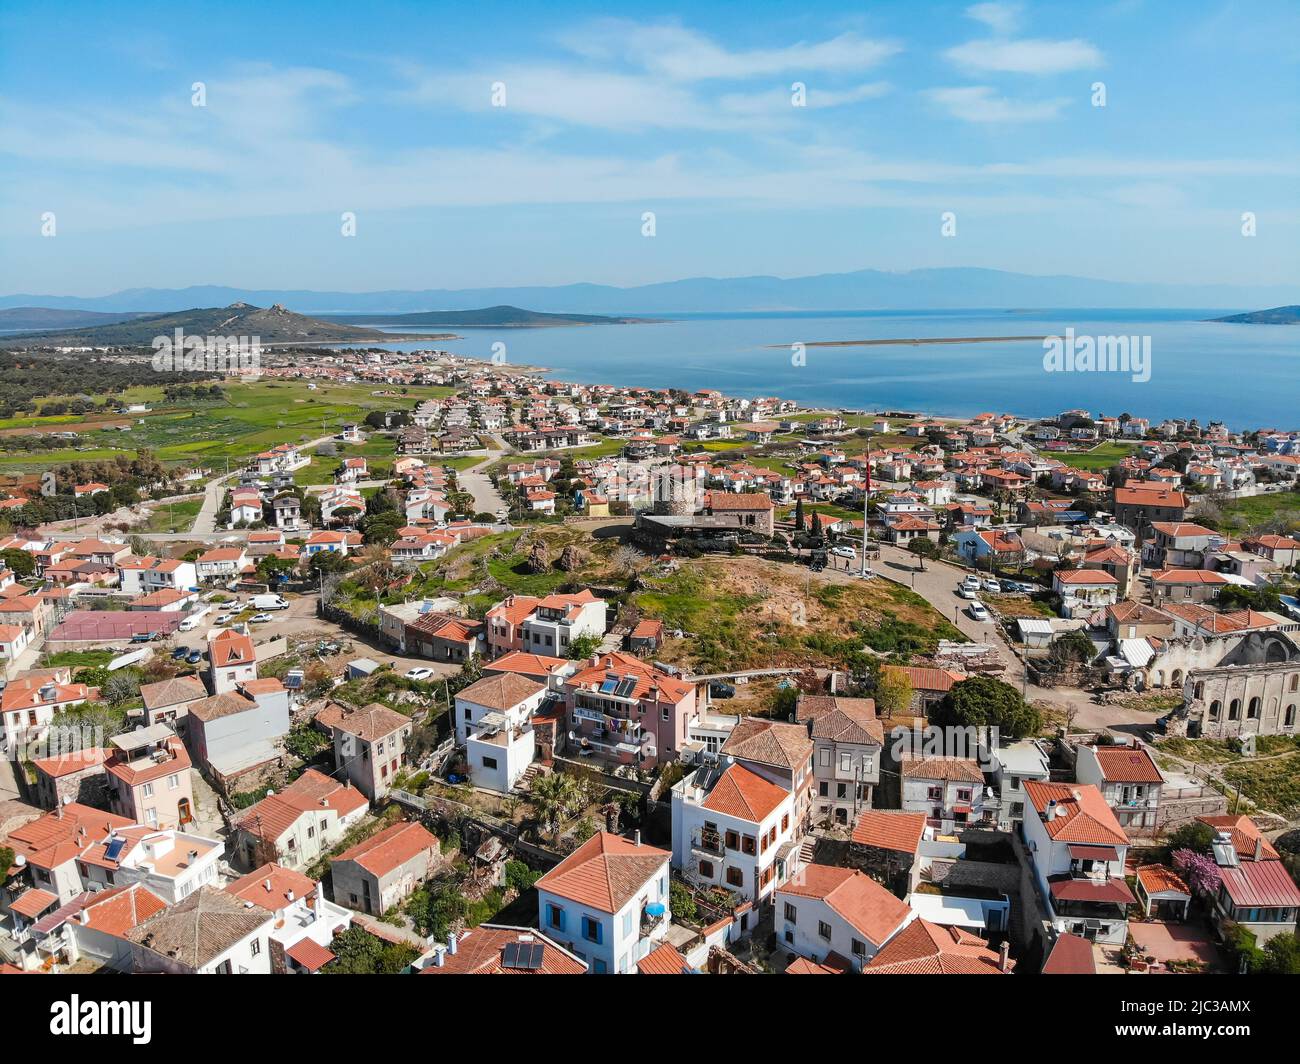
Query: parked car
x,y
261,618
718,689
967,592
194,657
143,637
419,673
179,653
978,612
844,552
971,581
992,586
225,618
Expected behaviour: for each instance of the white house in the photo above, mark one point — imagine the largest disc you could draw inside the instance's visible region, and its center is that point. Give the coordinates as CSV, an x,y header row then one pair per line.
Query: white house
x,y
560,619
824,910
492,722
607,902
948,790
210,932
734,829
1078,849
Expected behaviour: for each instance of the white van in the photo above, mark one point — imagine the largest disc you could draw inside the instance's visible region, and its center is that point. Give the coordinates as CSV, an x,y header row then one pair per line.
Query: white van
x,y
192,620
269,602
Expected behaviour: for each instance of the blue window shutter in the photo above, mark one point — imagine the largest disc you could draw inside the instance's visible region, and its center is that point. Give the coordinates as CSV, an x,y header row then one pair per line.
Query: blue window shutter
x,y
563,914
600,932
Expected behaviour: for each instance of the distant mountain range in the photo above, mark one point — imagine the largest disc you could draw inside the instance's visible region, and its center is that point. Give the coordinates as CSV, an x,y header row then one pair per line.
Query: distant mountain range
x,y
274,325
503,317
49,318
1276,316
947,288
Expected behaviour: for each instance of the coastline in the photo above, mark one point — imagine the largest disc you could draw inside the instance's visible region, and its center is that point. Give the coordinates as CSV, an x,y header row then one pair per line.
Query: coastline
x,y
912,341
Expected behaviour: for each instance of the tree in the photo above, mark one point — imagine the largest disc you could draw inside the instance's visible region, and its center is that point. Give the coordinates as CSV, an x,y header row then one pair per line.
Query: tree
x,y
893,692
983,702
121,687
358,952
1281,955
22,562
584,646
553,796
923,547
798,515
681,901
1192,836
1200,870
329,561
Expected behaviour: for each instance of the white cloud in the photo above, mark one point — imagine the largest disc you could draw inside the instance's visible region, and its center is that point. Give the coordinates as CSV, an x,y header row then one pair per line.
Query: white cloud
x,y
673,51
776,102
1026,56
980,103
1000,18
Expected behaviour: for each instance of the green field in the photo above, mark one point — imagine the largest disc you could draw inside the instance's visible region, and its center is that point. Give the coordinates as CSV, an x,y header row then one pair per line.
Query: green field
x,y
1103,456
256,416
173,517
1281,506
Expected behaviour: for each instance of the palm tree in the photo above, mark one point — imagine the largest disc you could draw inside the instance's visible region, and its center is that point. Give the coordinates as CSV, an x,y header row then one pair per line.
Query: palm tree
x,y
553,796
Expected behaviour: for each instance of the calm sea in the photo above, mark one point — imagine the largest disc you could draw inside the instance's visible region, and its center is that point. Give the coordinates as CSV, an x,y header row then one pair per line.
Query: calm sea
x,y
1245,375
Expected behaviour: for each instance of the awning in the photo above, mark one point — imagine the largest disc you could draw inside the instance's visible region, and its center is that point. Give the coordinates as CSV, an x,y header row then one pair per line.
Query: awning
x,y
311,955
961,809
1113,891
33,902
655,908
1095,853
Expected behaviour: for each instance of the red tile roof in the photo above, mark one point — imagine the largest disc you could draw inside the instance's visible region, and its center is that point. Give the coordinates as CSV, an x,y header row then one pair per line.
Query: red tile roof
x,y
923,948
310,954
271,885
862,902
605,872
744,794
481,952
390,848
1072,955
1082,814
662,961
889,830
1127,764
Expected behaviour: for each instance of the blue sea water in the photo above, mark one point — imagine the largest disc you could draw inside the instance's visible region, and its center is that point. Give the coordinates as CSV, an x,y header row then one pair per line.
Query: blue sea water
x,y
1245,375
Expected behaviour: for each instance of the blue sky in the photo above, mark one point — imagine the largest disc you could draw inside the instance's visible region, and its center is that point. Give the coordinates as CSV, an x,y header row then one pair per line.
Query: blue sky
x,y
385,110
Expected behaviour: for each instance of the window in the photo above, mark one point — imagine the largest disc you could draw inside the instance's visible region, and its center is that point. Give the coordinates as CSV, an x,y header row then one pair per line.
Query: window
x,y
791,914
1234,709
826,756
1288,718
311,832
859,948
823,789
489,762
597,965
173,781
735,878
749,845
591,930
785,820
554,916
627,924
706,869
147,791
846,761
255,947
841,790
824,929
733,840
963,794
934,794
1216,707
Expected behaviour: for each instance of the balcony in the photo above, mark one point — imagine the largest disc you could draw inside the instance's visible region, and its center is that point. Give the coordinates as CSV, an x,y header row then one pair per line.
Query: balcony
x,y
708,842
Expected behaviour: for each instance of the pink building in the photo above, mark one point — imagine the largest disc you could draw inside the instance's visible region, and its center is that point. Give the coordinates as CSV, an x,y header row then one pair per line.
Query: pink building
x,y
628,710
149,778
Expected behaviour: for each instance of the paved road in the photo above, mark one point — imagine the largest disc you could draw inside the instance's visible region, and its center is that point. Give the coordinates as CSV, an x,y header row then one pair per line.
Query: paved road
x,y
206,521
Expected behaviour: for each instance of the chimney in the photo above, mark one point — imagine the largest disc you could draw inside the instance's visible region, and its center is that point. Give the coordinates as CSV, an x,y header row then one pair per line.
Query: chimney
x,y
1051,810
595,660
1259,847
636,839
451,943
1004,956
266,884
439,958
